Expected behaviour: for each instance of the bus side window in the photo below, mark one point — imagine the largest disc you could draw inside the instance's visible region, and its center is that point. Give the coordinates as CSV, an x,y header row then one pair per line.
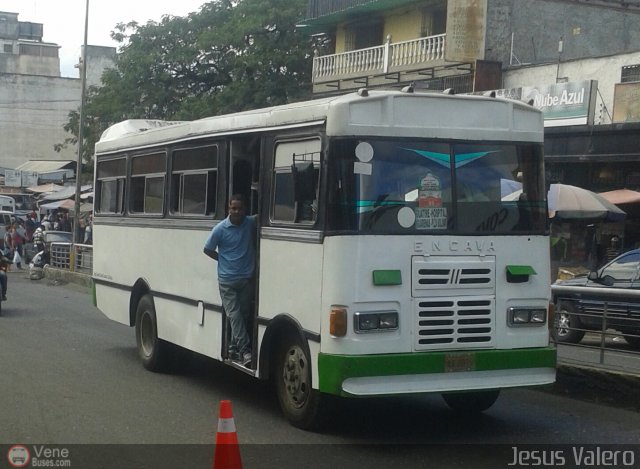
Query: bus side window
x,y
194,176
296,180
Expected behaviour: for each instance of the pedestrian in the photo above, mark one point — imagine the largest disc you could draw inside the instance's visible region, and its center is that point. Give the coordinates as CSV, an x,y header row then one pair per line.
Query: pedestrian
x,y
232,243
46,223
66,222
8,243
5,262
613,250
17,240
30,226
88,231
38,238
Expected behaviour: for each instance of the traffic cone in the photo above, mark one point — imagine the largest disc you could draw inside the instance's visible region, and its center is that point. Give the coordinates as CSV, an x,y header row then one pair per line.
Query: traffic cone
x,y
227,451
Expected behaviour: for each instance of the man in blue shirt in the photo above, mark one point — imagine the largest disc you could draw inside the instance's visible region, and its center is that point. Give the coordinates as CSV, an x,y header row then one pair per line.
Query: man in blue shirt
x,y
234,240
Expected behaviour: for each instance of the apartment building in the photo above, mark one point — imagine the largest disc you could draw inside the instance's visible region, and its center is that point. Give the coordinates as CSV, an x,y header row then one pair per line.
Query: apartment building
x,y
35,100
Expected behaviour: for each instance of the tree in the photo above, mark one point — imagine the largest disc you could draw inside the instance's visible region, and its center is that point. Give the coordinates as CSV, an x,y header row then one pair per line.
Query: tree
x,y
230,56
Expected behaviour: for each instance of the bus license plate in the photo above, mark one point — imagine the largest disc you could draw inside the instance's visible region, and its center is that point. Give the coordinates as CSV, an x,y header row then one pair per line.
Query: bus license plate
x,y
459,362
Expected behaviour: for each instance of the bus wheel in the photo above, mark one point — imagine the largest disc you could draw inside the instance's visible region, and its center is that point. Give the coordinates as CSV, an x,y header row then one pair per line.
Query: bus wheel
x,y
471,402
299,402
153,351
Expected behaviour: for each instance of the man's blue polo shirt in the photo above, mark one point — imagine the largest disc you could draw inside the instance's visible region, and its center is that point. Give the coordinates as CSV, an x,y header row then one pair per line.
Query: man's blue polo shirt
x,y
236,250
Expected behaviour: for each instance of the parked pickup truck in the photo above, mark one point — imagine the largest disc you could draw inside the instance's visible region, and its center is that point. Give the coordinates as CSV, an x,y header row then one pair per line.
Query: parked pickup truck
x,y
581,302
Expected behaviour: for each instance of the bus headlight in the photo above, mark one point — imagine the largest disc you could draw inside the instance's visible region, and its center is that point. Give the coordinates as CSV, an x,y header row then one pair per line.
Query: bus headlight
x,y
526,317
372,322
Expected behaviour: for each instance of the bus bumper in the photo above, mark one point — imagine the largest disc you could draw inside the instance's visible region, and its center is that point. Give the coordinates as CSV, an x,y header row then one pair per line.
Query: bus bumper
x,y
424,372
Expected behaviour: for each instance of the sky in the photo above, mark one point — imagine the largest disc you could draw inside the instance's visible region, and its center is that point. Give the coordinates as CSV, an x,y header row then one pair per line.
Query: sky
x,y
64,21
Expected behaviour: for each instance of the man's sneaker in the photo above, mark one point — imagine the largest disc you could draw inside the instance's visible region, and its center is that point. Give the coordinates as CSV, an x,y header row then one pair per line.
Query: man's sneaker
x,y
246,359
4,297
234,355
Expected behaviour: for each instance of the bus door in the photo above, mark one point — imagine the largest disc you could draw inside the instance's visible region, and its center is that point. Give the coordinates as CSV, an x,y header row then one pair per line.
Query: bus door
x,y
244,178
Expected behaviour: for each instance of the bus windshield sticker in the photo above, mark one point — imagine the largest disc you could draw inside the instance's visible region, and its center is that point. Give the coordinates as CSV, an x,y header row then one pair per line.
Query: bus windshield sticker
x,y
431,218
430,213
362,168
430,193
364,153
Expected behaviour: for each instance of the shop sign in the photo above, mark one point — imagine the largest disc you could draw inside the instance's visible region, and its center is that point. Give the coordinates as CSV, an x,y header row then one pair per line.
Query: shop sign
x,y
29,178
626,102
12,178
561,103
466,22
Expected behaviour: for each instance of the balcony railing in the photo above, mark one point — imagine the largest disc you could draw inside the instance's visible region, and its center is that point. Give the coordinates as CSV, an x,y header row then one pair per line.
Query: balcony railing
x,y
380,60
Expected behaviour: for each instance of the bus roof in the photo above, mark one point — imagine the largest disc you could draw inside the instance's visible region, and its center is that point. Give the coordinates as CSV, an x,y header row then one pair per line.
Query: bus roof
x,y
375,113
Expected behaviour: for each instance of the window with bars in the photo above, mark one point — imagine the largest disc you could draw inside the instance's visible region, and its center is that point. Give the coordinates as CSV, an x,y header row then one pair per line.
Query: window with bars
x,y
630,73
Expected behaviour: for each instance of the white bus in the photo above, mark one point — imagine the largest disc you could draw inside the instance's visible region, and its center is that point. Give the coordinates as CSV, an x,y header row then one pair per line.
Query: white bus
x,y
7,204
387,261
21,204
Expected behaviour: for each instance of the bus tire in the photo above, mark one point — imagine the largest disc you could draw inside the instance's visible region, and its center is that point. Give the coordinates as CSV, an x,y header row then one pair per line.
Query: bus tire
x,y
300,403
153,352
471,402
566,324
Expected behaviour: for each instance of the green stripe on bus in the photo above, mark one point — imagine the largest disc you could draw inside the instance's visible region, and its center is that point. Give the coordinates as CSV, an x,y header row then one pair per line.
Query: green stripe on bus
x,y
93,293
334,369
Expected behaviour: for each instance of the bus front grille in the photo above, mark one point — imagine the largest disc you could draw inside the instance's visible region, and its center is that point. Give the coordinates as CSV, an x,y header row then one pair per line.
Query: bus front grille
x,y
440,275
454,323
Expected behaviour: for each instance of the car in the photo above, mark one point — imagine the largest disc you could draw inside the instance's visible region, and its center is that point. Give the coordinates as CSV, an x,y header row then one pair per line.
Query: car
x,y
580,302
30,249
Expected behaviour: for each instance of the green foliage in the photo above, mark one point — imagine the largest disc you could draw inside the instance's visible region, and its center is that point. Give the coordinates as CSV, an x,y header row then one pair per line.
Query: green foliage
x,y
230,56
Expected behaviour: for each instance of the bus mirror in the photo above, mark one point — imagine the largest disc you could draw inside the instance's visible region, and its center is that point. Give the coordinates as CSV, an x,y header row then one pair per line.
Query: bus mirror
x,y
304,186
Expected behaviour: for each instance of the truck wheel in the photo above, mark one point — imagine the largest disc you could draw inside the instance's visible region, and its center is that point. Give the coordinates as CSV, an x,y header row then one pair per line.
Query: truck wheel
x,y
471,402
154,352
566,324
300,403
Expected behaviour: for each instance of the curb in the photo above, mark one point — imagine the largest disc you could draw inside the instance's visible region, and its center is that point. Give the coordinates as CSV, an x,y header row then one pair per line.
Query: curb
x,y
66,276
601,386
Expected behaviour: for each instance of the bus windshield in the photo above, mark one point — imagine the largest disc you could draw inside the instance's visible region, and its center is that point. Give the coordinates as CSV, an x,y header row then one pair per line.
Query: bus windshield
x,y
418,187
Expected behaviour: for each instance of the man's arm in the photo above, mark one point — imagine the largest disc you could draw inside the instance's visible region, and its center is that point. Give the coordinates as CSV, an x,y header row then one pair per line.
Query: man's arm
x,y
212,254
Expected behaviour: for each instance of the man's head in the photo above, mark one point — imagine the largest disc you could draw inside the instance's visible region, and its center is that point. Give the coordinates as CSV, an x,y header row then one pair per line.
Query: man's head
x,y
237,209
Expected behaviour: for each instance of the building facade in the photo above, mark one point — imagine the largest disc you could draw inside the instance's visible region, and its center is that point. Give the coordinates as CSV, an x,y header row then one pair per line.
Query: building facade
x,y
35,100
467,45
576,60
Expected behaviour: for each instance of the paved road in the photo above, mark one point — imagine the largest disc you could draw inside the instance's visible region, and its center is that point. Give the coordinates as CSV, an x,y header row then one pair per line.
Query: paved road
x,y
70,376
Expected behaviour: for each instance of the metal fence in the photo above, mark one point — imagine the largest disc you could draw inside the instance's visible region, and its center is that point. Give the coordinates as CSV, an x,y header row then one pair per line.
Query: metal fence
x,y
75,258
611,341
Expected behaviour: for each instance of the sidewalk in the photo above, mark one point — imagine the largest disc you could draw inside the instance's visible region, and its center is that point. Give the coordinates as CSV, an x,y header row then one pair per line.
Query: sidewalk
x,y
610,378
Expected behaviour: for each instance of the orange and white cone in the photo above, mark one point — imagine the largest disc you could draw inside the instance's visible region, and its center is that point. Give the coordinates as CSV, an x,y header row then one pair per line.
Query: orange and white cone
x,y
227,451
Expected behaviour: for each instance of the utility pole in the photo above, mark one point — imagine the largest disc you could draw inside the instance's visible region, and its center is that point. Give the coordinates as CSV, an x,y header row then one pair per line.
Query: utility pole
x,y
83,78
